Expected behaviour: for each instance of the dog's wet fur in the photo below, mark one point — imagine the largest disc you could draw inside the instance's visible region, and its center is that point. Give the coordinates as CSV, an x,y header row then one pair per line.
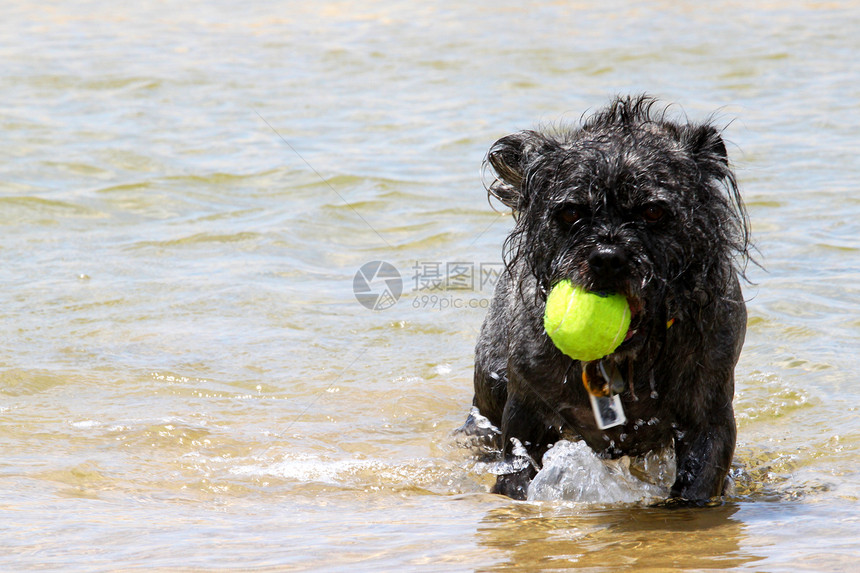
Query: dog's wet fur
x,y
634,202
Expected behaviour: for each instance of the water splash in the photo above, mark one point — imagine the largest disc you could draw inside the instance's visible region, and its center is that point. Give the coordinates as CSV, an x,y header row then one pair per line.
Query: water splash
x,y
478,434
573,472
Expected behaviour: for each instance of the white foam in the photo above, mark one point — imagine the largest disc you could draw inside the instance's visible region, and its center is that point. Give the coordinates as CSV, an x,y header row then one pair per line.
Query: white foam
x,y
443,369
304,468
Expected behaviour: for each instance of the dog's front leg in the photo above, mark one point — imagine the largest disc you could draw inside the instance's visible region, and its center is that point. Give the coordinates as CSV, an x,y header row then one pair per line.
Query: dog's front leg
x,y
524,442
703,456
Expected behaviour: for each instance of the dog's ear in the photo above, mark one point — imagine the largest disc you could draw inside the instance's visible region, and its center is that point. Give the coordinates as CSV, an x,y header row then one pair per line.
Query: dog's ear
x,y
709,152
509,157
706,145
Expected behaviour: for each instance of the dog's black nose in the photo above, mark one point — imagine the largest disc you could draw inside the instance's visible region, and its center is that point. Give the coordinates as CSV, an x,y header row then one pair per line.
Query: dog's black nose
x,y
607,262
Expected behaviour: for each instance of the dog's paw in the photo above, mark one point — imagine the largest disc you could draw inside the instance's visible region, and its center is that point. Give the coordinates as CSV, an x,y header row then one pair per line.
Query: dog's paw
x,y
515,485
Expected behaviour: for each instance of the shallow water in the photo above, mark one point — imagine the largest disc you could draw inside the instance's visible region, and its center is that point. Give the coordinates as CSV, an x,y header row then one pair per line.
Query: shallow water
x,y
187,191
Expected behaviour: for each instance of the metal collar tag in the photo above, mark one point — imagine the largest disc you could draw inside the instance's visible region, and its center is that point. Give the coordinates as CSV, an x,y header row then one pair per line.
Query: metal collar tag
x,y
608,412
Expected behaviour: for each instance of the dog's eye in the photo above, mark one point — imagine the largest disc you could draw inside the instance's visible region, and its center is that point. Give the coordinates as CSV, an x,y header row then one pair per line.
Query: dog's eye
x,y
570,213
653,213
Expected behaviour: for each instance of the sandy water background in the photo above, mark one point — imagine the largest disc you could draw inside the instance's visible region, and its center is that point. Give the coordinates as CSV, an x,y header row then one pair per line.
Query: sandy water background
x,y
187,380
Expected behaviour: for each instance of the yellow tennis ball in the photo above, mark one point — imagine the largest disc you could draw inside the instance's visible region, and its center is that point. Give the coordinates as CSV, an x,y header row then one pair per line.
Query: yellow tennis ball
x,y
585,325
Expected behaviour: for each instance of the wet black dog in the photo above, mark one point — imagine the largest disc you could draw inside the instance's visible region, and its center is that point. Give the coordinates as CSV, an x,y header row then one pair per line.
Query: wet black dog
x,y
635,203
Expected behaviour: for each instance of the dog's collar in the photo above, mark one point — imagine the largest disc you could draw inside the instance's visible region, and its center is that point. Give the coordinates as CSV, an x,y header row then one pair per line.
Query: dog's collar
x,y
602,378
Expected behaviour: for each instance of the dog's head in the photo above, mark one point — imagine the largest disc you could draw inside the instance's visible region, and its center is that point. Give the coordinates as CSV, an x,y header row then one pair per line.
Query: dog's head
x,y
628,202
